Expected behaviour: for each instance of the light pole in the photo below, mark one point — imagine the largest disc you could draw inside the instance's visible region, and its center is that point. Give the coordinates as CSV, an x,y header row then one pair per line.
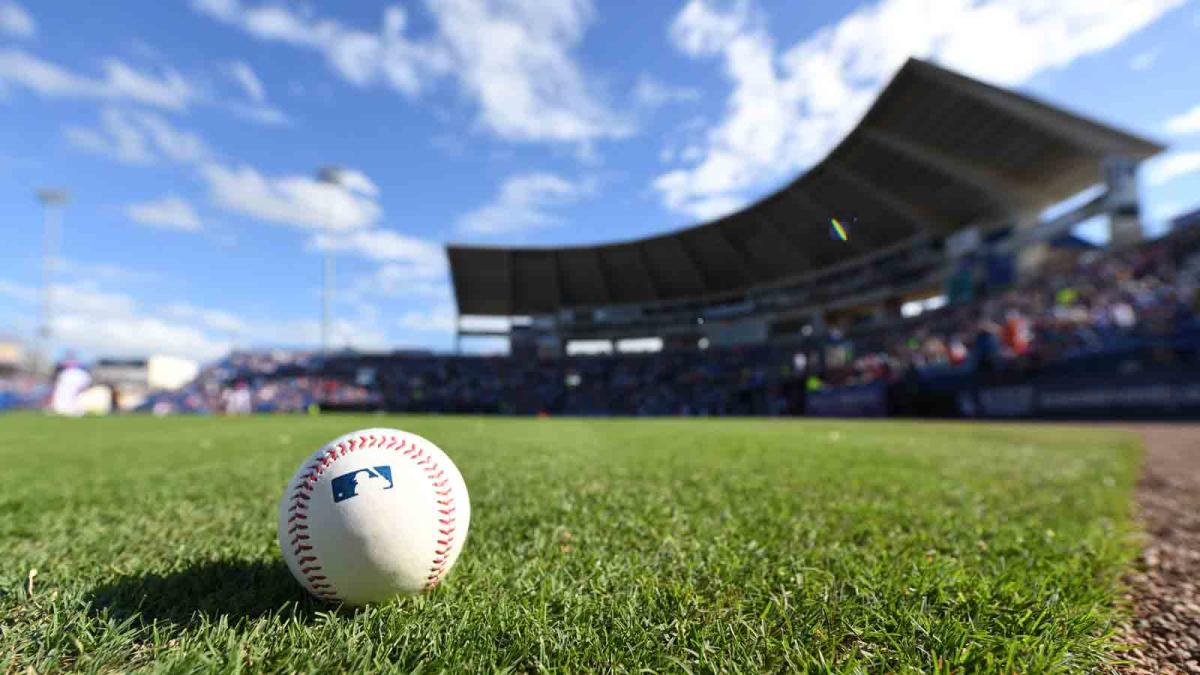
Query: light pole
x,y
53,200
332,176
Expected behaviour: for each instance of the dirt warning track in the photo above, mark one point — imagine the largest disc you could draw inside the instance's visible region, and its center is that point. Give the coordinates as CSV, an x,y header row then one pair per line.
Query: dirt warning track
x,y
1164,589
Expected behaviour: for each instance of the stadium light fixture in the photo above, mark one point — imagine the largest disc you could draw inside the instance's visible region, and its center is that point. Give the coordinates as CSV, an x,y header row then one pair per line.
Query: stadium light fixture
x,y
53,200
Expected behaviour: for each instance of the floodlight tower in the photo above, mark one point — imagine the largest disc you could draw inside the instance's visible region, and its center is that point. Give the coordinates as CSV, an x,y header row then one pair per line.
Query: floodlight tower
x,y
333,176
53,200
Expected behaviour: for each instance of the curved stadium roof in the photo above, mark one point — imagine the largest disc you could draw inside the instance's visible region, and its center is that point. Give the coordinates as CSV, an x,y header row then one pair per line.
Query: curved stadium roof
x,y
935,153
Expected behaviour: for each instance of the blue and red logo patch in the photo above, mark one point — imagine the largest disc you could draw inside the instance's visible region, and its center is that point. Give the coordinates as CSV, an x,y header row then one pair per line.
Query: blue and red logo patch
x,y
370,479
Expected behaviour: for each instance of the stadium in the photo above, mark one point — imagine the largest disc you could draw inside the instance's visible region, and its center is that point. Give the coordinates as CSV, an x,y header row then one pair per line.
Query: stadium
x,y
982,452
952,296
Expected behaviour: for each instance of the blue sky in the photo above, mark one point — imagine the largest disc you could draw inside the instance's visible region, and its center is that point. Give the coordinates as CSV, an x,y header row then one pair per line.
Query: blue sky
x,y
189,133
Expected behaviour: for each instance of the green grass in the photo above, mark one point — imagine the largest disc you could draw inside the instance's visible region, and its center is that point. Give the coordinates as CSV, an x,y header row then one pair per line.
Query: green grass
x,y
669,545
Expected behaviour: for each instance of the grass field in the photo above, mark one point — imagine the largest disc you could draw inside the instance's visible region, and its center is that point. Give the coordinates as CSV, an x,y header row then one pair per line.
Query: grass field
x,y
672,545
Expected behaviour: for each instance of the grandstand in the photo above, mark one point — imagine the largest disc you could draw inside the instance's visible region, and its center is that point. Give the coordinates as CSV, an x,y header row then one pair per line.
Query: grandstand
x,y
943,177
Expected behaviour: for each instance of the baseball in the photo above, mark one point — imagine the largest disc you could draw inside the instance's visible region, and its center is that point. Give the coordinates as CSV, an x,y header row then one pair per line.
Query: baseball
x,y
373,514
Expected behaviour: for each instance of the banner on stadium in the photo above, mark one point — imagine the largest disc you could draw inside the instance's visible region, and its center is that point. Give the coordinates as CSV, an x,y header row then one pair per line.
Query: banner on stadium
x,y
862,400
1111,399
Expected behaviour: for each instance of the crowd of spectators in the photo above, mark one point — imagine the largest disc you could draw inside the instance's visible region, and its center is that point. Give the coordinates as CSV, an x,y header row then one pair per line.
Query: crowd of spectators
x,y
1099,304
719,382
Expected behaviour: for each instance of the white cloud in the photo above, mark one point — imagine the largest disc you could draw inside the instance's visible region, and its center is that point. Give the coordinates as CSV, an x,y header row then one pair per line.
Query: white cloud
x,y
438,319
360,57
706,208
298,201
119,82
356,334
651,93
408,258
789,108
73,269
168,213
1165,211
357,181
409,269
513,59
18,292
135,335
101,322
98,321
359,331
1166,168
523,204
211,319
255,108
119,138
105,323
122,83
260,113
15,21
402,280
1143,60
1186,122
174,144
246,78
138,138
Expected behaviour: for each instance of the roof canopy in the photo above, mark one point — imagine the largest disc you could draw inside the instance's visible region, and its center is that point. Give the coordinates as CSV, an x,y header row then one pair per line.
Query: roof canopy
x,y
936,152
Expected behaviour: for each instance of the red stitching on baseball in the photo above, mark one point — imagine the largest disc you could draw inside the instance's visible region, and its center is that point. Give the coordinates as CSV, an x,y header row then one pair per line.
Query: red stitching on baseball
x,y
440,483
434,473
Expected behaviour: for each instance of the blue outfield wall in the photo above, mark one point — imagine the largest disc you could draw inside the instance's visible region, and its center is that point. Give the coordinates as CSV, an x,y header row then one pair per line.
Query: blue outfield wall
x,y
1157,394
1147,395
861,400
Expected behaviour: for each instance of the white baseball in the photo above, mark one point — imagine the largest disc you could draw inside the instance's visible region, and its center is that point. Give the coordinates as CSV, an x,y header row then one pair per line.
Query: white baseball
x,y
373,514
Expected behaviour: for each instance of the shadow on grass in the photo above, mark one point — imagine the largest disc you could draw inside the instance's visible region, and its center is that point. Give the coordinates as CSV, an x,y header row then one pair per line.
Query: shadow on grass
x,y
206,593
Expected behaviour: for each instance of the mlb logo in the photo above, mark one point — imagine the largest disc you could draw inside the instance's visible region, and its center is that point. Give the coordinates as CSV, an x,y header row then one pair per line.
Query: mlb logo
x,y
371,479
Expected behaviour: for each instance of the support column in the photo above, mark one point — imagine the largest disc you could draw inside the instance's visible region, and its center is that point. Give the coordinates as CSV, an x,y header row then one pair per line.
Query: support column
x,y
1033,251
1124,206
